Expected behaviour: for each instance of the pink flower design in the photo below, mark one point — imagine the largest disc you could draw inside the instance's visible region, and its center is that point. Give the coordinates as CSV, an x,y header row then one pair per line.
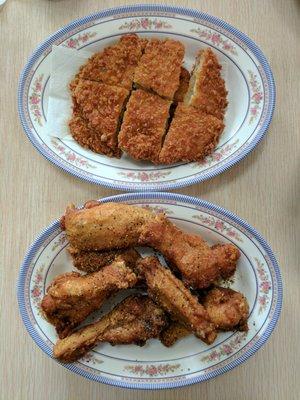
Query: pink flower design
x,y
145,23
151,370
37,289
70,155
264,286
144,176
256,97
216,39
35,99
224,350
217,155
75,42
219,225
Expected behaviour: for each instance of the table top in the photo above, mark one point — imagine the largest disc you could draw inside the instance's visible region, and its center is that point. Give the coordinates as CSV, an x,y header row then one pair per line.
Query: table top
x,y
263,189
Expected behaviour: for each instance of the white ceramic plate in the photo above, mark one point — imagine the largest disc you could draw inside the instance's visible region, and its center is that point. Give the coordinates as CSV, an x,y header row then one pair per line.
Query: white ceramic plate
x,y
248,78
189,360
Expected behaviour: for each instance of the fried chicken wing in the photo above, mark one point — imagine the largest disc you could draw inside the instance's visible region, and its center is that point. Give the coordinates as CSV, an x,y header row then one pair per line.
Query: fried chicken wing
x,y
192,135
172,333
207,90
135,320
173,297
227,309
199,264
160,66
144,125
71,297
115,65
105,226
92,261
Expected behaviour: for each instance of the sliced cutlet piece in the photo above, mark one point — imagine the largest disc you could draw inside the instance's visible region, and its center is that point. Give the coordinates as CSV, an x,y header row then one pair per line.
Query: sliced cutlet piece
x,y
88,137
159,67
144,125
192,135
207,90
184,81
115,65
101,106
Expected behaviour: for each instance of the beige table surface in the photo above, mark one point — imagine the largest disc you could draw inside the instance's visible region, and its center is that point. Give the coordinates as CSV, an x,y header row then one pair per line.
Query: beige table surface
x,y
263,189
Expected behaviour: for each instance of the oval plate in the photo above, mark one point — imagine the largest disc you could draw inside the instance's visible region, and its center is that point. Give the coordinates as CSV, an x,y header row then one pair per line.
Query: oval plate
x,y
249,82
189,360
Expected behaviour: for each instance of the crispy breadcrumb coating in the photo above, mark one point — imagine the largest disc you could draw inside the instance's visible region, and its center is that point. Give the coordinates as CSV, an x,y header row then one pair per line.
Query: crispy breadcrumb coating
x,y
115,65
144,125
192,135
173,332
159,67
102,107
207,90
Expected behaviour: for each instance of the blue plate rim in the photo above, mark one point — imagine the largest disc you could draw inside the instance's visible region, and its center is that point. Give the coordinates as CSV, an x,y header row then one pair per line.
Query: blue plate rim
x,y
165,385
182,182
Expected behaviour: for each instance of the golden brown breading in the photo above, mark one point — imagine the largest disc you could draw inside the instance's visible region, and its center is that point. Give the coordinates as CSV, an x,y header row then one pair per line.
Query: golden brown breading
x,y
92,261
102,107
115,65
184,81
227,256
159,67
192,135
207,88
227,309
173,332
144,125
173,297
199,265
135,320
88,137
105,226
71,297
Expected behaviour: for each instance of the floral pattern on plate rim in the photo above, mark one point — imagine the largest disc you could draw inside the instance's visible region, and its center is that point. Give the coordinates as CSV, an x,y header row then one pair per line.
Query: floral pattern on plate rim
x,y
145,23
217,156
151,370
256,96
219,225
225,349
77,41
264,286
70,156
144,176
37,290
35,99
216,39
159,209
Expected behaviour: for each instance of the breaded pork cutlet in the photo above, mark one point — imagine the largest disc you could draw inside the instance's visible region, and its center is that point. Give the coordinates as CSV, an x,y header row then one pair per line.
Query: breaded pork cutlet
x,y
207,90
192,135
87,136
144,125
184,81
101,107
115,65
159,67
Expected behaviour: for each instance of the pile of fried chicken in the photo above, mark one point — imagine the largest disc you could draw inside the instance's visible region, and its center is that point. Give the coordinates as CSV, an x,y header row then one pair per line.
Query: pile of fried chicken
x,y
135,96
175,301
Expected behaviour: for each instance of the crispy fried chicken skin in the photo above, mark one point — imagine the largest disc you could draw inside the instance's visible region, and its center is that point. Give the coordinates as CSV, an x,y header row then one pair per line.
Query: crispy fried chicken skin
x,y
135,320
227,308
199,264
207,90
71,297
172,333
92,261
105,226
171,294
